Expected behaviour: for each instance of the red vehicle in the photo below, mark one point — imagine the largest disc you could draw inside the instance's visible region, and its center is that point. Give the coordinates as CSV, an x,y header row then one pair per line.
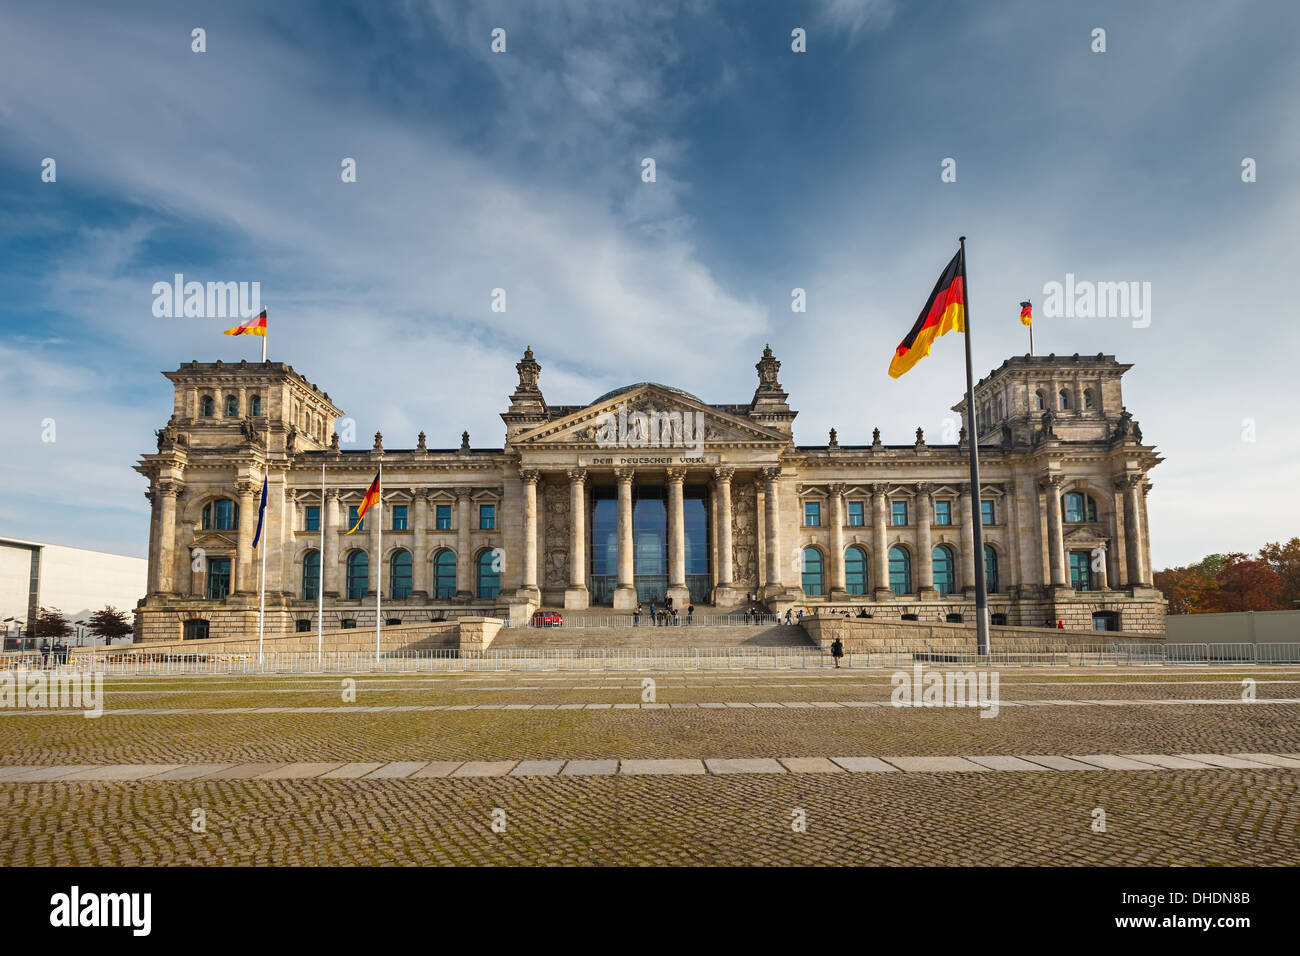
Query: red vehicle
x,y
548,619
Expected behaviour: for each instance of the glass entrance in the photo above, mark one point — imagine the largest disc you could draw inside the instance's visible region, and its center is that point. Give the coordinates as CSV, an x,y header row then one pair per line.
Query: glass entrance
x,y
650,543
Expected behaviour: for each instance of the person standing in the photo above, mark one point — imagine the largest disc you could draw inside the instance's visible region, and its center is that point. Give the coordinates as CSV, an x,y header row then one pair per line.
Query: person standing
x,y
45,653
837,651
636,615
653,622
690,613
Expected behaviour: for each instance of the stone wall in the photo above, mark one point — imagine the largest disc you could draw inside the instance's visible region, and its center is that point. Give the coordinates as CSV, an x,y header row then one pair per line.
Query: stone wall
x,y
858,635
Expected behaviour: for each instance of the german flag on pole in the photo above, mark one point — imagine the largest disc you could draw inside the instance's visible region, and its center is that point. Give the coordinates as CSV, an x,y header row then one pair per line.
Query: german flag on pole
x,y
254,326
944,312
1027,314
371,497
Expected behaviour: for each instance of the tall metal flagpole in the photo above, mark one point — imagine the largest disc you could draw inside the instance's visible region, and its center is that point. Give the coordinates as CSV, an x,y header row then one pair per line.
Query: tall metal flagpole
x,y
379,558
261,601
972,436
320,575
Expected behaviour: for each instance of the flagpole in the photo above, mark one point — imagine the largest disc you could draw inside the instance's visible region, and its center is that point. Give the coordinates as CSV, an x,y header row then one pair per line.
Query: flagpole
x,y
379,591
320,577
976,511
1031,337
261,601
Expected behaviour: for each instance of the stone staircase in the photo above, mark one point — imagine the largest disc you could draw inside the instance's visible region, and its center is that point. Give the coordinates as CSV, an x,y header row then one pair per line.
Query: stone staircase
x,y
682,636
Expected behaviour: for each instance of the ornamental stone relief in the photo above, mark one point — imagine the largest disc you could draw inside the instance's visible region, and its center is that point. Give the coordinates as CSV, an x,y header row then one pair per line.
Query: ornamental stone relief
x,y
556,548
744,536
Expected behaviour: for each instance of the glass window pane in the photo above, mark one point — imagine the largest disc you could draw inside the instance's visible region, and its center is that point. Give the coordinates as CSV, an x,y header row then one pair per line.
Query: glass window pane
x,y
812,572
812,514
313,518
900,571
944,573
990,569
399,517
943,512
855,570
443,518
856,514
489,579
986,512
400,575
358,575
310,575
899,511
487,517
444,575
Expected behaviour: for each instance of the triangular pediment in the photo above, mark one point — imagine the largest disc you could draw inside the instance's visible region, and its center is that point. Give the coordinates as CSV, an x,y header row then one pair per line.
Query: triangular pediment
x,y
650,414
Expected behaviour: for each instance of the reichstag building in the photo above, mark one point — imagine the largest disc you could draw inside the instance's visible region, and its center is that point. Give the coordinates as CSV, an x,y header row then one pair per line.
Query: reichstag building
x,y
644,493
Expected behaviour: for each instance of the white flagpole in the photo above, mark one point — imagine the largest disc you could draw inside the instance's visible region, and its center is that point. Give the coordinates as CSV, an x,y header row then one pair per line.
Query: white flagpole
x,y
379,591
320,578
261,601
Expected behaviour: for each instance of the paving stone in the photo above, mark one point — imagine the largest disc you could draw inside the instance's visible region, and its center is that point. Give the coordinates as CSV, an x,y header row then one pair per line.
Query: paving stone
x,y
351,771
796,704
741,704
193,771
571,706
1273,760
1171,762
627,706
1056,762
935,764
438,768
685,706
744,765
768,704
123,771
654,706
244,771
300,771
537,768
810,765
713,706
826,703
396,770
865,765
41,774
999,762
661,766
577,768
1113,762
485,768
1231,763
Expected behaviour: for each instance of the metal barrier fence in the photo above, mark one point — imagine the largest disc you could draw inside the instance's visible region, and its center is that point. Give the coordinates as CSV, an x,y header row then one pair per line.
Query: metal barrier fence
x,y
696,620
144,663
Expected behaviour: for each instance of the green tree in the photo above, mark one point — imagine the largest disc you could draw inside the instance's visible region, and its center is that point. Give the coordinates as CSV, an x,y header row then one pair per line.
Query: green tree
x,y
1285,560
51,624
110,624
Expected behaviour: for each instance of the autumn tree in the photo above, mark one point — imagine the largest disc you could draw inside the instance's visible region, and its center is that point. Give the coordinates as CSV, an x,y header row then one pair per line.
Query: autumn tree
x,y
51,624
1187,589
1285,560
1247,584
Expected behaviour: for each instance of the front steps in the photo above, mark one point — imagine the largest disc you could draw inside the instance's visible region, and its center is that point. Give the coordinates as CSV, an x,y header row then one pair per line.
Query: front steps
x,y
620,635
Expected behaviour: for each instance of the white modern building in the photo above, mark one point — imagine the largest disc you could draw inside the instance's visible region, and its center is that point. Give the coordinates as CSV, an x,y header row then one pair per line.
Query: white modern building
x,y
76,581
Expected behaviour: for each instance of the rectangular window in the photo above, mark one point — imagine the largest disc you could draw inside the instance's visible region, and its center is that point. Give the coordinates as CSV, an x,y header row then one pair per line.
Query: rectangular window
x,y
812,514
302,625
1081,570
899,511
487,517
986,512
352,519
856,514
313,518
218,578
442,518
399,517
226,512
943,512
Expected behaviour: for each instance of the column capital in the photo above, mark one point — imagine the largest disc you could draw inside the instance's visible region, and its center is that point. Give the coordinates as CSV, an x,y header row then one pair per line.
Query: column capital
x,y
331,494
770,474
837,489
1124,482
723,473
676,476
625,475
247,489
923,489
1052,481
530,476
462,494
879,489
577,476
169,489
421,493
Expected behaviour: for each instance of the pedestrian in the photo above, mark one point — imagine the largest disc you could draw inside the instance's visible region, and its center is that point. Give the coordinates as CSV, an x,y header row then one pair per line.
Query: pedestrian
x,y
45,653
636,615
1060,625
690,613
652,614
800,615
837,651
675,621
1047,623
788,617
668,602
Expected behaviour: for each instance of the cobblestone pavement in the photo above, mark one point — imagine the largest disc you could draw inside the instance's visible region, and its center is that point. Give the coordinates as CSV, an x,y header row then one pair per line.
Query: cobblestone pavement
x,y
1167,817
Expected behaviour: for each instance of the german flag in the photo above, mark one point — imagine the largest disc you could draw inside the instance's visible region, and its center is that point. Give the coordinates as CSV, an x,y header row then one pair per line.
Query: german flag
x,y
254,326
1027,314
944,312
371,497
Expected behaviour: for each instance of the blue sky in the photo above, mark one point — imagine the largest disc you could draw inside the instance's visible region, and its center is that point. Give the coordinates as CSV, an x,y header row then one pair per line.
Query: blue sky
x,y
521,171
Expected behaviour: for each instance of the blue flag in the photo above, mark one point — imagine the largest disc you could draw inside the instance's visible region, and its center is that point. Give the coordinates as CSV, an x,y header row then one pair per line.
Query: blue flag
x,y
261,513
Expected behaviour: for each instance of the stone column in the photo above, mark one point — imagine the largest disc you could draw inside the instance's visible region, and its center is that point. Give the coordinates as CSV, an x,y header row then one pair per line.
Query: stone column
x,y
725,592
839,590
1133,543
421,566
464,576
772,531
1055,542
245,579
677,589
880,542
966,564
331,555
576,595
155,532
530,477
625,592
170,491
924,543
1100,580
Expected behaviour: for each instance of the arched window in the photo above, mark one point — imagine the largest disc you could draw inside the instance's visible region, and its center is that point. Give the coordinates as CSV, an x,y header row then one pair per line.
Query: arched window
x,y
812,572
400,574
900,571
945,572
311,575
1079,507
444,575
358,575
255,406
489,578
232,406
207,407
1064,399
220,515
855,570
990,569
1040,403
1087,398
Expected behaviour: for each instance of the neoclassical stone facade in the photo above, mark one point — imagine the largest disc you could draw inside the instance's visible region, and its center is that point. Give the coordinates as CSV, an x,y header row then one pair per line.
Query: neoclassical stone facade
x,y
647,493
